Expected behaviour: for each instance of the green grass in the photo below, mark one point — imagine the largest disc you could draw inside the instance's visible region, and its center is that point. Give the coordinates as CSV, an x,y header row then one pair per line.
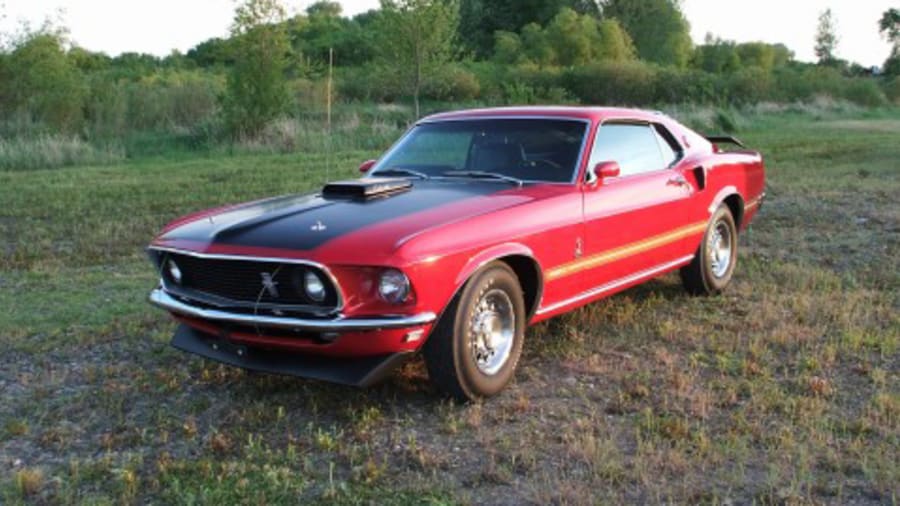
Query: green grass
x,y
785,390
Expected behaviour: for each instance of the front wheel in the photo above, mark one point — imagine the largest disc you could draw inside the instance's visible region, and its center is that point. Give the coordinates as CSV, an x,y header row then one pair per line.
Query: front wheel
x,y
474,350
713,266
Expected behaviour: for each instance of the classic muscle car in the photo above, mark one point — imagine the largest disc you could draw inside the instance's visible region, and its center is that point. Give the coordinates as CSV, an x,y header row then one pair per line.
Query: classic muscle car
x,y
471,227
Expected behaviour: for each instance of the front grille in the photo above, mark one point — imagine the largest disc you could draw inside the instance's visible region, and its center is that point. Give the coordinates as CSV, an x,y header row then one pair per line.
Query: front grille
x,y
248,281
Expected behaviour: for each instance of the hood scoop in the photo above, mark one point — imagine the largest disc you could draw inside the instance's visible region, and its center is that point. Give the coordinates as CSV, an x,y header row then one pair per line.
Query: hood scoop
x,y
368,188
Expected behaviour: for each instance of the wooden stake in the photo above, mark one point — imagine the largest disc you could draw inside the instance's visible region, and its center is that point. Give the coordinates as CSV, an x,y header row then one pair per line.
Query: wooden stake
x,y
330,80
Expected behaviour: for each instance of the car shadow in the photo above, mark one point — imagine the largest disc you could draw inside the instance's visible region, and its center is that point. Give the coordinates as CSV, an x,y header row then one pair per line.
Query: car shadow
x,y
408,386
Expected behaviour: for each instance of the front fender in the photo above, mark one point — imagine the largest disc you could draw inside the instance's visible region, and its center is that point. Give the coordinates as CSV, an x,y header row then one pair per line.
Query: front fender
x,y
489,255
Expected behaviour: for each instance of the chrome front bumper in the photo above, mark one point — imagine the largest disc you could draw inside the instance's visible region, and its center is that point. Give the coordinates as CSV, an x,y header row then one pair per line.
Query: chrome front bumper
x,y
159,297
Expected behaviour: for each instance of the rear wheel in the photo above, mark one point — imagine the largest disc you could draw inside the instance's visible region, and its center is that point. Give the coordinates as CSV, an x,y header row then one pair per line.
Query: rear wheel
x,y
474,350
713,266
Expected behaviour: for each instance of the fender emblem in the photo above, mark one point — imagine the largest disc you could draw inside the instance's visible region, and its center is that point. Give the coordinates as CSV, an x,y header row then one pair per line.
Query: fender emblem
x,y
318,227
269,284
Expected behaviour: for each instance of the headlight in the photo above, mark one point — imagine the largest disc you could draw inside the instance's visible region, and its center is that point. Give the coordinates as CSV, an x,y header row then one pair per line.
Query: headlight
x,y
393,286
174,271
313,286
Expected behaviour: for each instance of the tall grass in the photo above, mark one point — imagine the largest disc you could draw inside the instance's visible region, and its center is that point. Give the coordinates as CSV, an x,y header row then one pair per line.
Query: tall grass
x,y
54,151
348,133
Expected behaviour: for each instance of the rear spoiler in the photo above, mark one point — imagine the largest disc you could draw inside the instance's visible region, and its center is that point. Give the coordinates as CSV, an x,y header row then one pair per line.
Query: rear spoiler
x,y
725,139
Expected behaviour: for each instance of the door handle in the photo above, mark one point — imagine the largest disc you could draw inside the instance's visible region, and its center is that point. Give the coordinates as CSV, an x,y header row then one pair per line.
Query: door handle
x,y
678,180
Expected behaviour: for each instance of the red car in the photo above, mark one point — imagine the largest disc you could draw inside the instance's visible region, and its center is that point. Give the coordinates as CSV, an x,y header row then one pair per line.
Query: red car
x,y
474,225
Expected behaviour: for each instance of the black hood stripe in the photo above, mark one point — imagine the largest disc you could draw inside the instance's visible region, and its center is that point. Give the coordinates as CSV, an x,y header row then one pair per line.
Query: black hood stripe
x,y
308,222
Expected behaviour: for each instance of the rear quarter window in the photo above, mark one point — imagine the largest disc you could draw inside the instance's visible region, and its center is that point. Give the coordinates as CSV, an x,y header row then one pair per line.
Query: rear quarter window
x,y
633,146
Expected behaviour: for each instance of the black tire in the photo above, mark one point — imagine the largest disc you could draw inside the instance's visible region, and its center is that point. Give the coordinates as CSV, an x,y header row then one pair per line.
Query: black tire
x,y
451,354
705,275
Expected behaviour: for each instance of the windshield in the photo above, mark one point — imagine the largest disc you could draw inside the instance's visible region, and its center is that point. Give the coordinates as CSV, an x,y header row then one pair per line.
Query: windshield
x,y
545,150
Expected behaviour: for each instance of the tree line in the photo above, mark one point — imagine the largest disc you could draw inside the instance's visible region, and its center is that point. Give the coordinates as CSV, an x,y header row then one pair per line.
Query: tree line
x,y
631,52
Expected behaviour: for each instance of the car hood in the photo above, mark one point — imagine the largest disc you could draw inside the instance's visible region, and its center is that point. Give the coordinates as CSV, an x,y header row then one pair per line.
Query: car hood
x,y
312,222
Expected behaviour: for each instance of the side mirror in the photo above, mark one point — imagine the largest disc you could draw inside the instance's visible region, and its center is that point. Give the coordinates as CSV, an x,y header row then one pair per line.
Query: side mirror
x,y
603,170
367,165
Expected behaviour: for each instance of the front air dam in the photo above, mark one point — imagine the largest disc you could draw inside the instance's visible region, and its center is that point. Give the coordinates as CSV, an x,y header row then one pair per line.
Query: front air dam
x,y
359,372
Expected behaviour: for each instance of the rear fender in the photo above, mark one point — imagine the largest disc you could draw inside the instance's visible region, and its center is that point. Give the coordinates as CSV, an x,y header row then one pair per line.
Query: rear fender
x,y
720,197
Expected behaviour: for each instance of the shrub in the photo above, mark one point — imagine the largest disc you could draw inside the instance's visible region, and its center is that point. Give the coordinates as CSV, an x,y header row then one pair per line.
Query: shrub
x,y
369,83
804,84
678,86
892,90
750,85
865,92
620,83
453,84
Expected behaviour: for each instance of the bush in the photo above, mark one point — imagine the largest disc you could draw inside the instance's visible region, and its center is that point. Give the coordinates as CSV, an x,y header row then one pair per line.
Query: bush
x,y
804,84
453,84
892,90
681,86
369,83
750,85
864,92
613,83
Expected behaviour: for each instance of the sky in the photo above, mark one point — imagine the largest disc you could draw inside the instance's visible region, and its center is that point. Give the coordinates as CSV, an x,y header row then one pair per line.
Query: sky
x,y
160,26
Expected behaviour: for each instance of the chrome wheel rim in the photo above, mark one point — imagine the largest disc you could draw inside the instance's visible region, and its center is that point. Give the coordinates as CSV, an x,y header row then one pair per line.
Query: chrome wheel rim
x,y
492,331
718,249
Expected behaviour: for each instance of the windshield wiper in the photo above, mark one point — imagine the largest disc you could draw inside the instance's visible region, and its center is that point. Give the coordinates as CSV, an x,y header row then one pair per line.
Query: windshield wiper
x,y
396,171
484,175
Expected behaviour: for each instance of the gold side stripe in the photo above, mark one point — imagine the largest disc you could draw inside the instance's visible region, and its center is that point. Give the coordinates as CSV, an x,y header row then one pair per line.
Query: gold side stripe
x,y
624,251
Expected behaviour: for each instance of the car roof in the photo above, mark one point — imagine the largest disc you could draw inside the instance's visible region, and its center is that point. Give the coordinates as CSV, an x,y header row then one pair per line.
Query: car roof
x,y
589,113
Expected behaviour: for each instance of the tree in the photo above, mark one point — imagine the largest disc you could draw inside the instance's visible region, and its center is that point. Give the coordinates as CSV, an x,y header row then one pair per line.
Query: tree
x,y
660,32
717,56
257,87
569,39
757,54
44,82
615,44
213,52
416,39
573,37
324,30
826,38
889,26
536,46
325,8
507,47
480,20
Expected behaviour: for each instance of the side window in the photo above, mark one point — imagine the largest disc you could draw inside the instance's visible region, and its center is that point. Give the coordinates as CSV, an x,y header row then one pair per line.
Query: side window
x,y
671,151
633,146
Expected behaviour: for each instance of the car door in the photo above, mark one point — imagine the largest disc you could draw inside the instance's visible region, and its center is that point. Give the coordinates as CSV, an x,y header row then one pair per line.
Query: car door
x,y
633,222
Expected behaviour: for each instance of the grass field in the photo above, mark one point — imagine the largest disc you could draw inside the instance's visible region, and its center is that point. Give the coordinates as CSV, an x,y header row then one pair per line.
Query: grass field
x,y
785,390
